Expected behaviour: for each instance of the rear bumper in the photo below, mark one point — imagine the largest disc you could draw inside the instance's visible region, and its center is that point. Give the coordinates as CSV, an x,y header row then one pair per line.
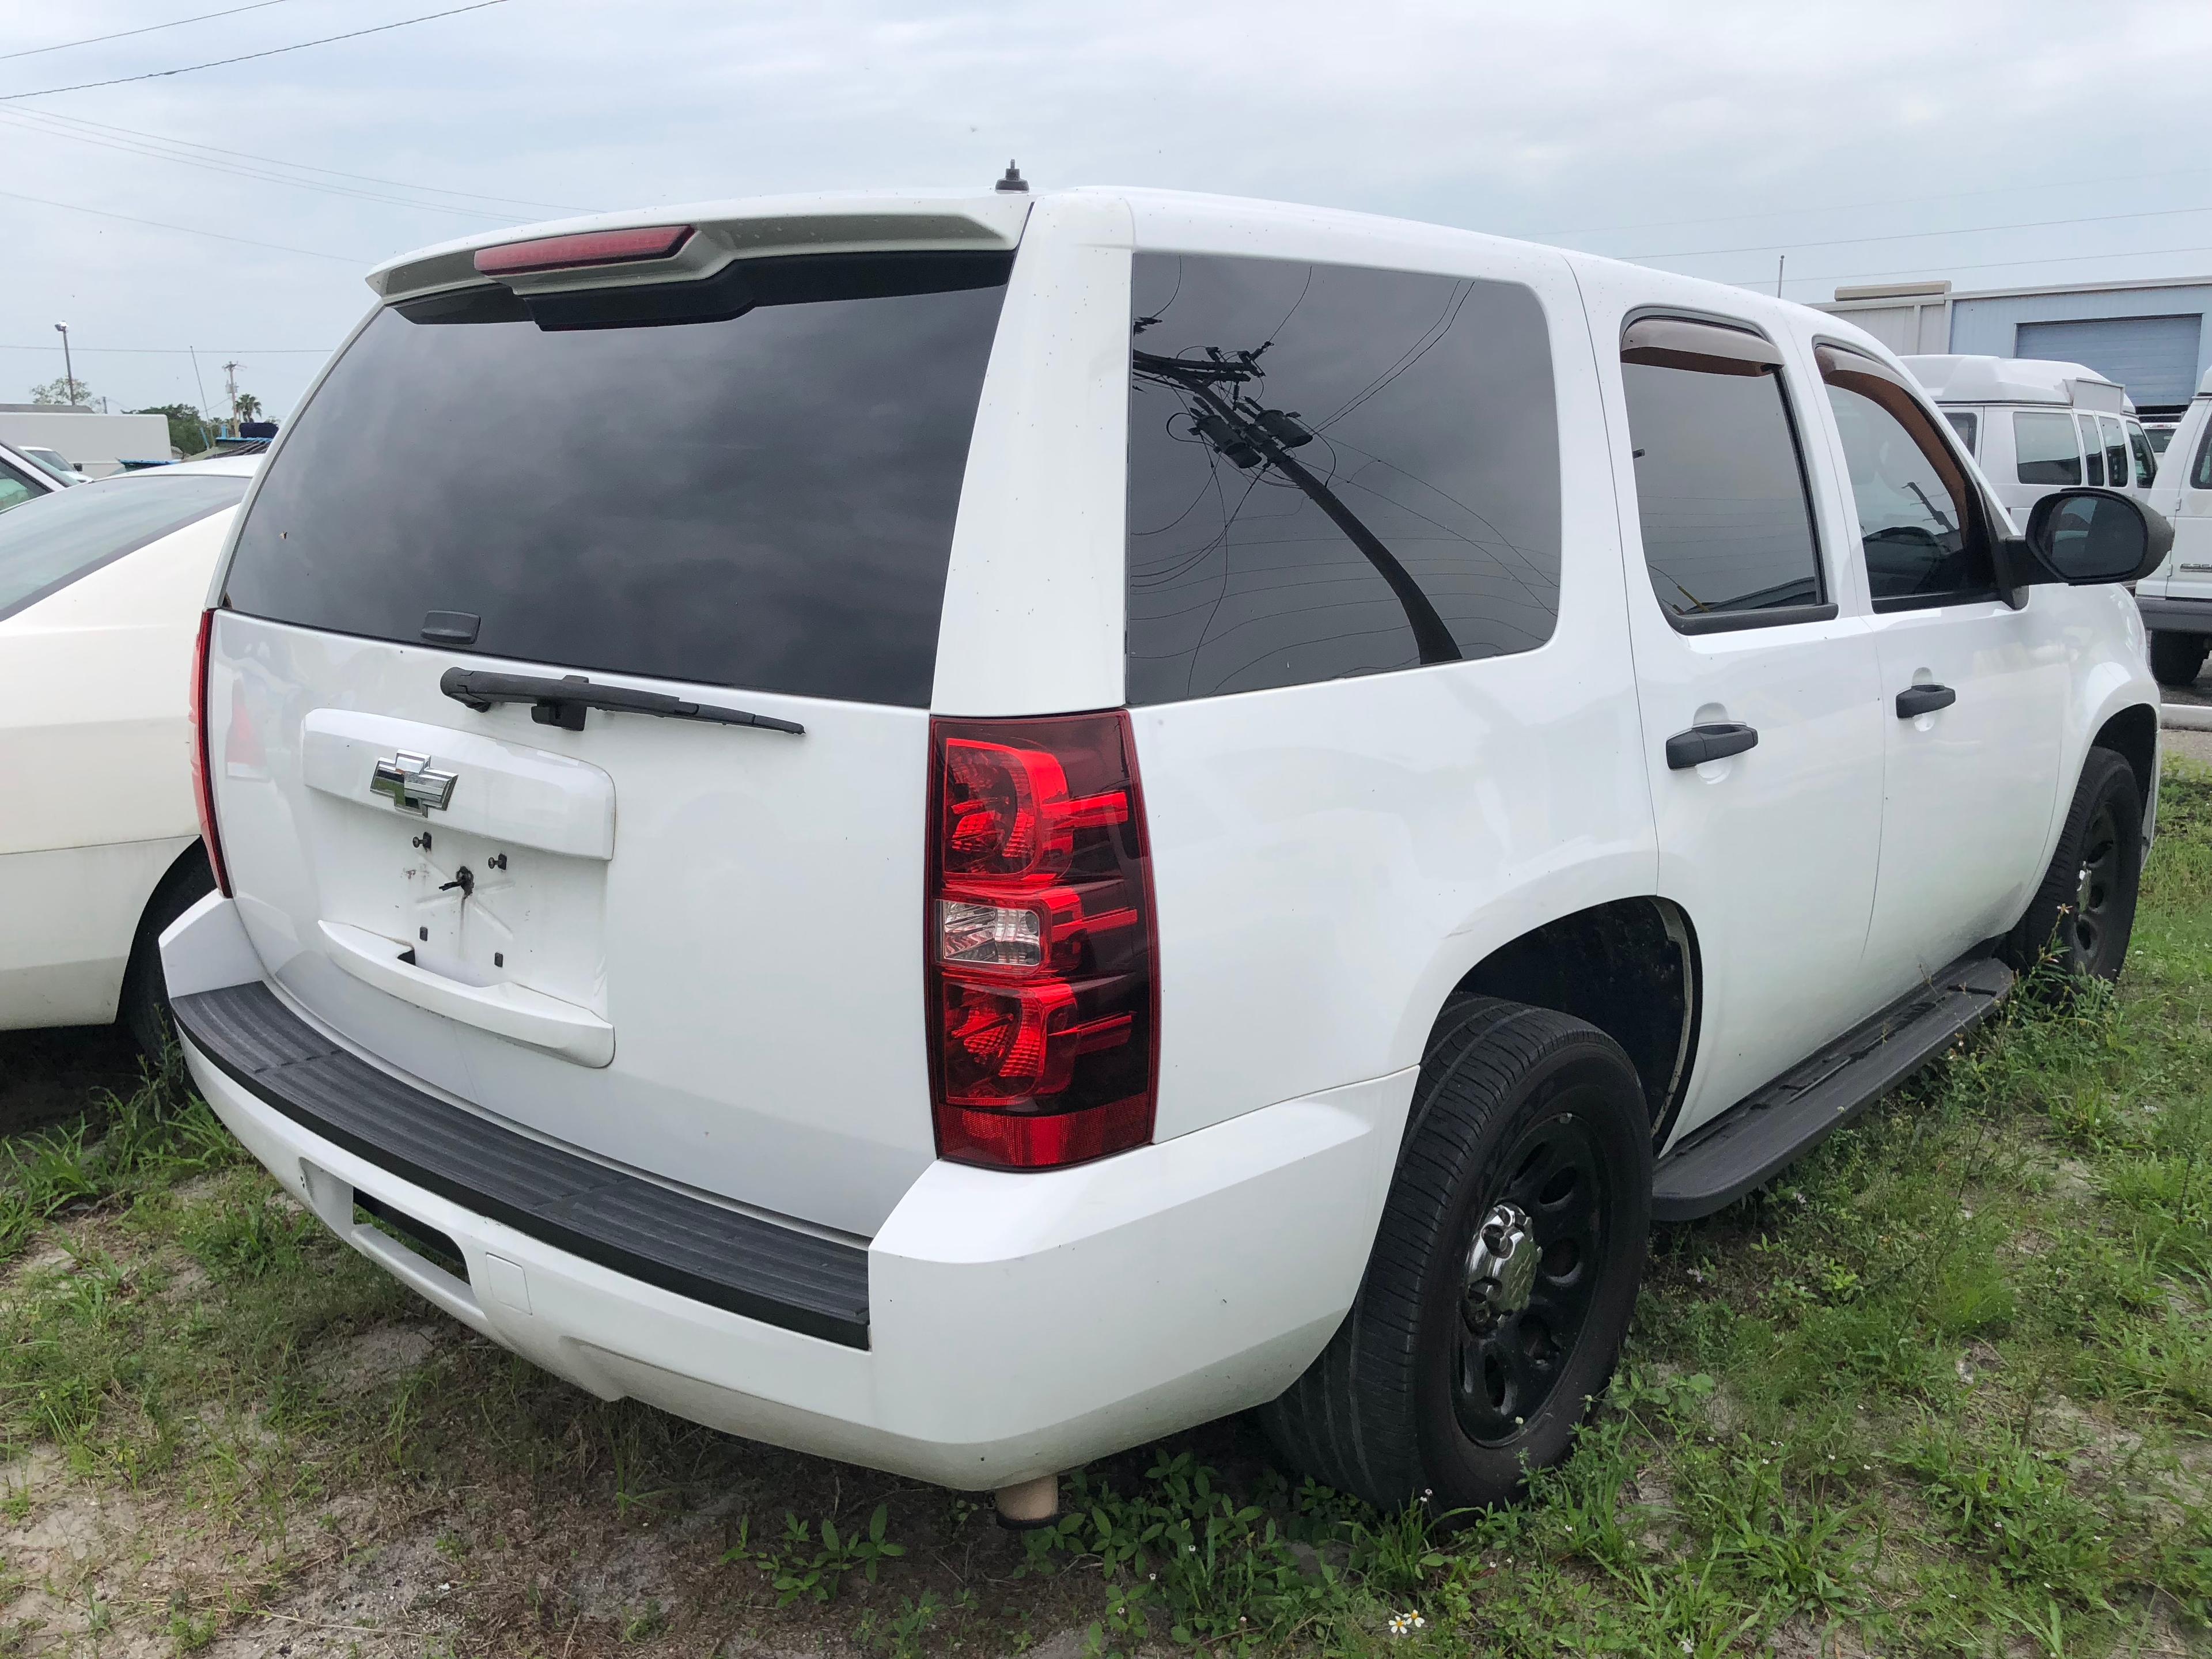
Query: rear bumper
x,y
1017,1324
2172,616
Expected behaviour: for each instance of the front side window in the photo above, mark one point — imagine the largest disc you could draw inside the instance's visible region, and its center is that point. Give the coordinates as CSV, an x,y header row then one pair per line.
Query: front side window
x,y
1916,522
49,544
15,488
1966,424
1720,492
2200,472
2045,450
1332,471
2146,461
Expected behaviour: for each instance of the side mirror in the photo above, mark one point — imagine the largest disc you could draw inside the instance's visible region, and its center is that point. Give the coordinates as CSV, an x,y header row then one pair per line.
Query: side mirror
x,y
2082,537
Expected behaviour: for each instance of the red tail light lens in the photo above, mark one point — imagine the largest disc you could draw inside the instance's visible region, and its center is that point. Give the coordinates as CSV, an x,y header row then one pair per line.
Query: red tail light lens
x,y
591,248
1044,1010
202,794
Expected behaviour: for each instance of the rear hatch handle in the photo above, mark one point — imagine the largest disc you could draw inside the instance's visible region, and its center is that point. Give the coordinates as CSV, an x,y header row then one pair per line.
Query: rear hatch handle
x,y
562,702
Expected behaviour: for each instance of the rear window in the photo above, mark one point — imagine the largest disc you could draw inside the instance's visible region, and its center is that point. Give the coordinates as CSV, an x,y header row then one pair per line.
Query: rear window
x,y
1332,471
47,543
760,500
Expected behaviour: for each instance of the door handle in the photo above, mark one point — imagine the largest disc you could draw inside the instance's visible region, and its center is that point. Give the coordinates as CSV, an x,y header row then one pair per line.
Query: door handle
x,y
1923,700
1701,743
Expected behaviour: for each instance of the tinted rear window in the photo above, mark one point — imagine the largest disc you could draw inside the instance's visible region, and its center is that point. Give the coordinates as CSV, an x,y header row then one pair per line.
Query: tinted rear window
x,y
760,500
1332,471
47,543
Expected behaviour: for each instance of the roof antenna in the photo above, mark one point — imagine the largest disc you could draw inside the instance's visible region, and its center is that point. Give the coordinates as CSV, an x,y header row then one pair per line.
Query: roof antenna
x,y
1013,180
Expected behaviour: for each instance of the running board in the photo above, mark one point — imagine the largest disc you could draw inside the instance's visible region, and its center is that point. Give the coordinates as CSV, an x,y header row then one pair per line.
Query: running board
x,y
1769,1130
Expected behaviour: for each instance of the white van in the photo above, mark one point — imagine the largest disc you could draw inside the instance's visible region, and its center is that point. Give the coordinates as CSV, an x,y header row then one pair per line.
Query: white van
x,y
2176,598
2038,425
959,831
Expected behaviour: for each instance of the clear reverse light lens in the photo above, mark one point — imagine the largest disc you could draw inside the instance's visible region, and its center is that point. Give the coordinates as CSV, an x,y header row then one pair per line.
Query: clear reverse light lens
x,y
987,934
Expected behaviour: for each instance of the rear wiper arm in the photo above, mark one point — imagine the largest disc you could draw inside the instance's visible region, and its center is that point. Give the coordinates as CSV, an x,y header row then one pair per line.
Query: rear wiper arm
x,y
562,702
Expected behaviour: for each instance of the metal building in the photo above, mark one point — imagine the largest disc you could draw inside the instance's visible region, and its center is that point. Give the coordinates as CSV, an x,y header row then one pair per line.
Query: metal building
x,y
2149,335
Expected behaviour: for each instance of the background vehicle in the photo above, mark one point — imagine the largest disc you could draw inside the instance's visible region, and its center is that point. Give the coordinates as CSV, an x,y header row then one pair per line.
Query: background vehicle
x,y
2037,425
95,442
1394,800
23,479
99,587
53,461
2176,598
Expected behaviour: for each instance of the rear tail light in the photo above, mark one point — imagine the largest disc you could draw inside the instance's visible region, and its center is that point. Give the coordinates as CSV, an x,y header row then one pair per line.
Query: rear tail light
x,y
1043,1006
202,792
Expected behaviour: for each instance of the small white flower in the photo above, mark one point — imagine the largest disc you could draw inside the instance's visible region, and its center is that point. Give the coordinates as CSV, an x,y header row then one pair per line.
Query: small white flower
x,y
1688,1646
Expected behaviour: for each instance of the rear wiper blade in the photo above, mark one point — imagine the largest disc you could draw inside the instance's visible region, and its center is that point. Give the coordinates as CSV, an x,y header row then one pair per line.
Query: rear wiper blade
x,y
562,702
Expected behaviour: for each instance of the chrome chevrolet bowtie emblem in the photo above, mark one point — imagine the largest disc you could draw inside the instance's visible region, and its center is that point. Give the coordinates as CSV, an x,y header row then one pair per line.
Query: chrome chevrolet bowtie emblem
x,y
410,784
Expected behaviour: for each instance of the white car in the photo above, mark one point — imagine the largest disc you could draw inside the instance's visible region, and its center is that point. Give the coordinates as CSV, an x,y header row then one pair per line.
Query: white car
x,y
54,462
23,479
957,832
2176,598
101,589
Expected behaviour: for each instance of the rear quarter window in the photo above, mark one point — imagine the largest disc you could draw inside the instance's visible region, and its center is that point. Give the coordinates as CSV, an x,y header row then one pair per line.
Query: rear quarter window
x,y
753,484
1334,471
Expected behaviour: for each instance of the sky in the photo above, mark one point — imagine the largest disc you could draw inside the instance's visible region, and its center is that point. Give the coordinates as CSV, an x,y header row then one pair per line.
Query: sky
x,y
1999,145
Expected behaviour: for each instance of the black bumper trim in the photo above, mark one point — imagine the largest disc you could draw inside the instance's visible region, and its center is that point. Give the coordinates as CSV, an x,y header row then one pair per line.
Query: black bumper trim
x,y
2163,615
725,1258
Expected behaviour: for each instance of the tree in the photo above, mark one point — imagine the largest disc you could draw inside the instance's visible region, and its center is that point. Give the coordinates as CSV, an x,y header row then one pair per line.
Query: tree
x,y
188,428
61,392
249,406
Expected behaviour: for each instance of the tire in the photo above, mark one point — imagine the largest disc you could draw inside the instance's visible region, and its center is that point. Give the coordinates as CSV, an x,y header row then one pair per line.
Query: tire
x,y
2082,914
1414,1392
2176,660
144,1007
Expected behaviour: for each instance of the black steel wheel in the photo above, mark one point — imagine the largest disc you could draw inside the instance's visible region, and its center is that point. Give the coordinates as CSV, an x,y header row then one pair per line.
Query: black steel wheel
x,y
1530,1273
1504,1272
2084,913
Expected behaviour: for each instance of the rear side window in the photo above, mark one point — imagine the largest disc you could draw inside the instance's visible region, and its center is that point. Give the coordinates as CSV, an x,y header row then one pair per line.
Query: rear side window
x,y
1918,523
2116,451
1332,470
49,543
1967,425
2044,448
1720,484
762,499
2092,450
15,488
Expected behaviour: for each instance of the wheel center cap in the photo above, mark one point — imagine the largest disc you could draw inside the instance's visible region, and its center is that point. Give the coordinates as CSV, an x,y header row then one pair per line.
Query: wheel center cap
x,y
1501,1266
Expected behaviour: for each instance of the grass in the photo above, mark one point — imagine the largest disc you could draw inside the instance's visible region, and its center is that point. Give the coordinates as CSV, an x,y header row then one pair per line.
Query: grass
x,y
1946,1388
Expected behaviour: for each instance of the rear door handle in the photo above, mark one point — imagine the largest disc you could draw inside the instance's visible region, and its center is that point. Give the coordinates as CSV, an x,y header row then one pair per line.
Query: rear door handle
x,y
1923,700
1701,743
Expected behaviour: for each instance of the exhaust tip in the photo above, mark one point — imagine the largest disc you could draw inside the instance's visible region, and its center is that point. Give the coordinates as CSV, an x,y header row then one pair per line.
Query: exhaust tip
x,y
1029,1505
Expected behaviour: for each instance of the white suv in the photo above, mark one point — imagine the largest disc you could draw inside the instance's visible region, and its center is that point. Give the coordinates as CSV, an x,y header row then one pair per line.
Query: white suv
x,y
959,830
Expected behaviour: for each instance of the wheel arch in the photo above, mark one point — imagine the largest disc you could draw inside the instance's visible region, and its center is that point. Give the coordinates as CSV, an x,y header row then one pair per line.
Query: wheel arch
x,y
1630,966
2132,733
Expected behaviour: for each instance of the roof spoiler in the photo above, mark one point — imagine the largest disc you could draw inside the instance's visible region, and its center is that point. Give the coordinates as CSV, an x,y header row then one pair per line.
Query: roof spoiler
x,y
721,232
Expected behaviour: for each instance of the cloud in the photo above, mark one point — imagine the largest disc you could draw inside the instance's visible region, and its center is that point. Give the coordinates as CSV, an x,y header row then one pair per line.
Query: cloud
x,y
1632,129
